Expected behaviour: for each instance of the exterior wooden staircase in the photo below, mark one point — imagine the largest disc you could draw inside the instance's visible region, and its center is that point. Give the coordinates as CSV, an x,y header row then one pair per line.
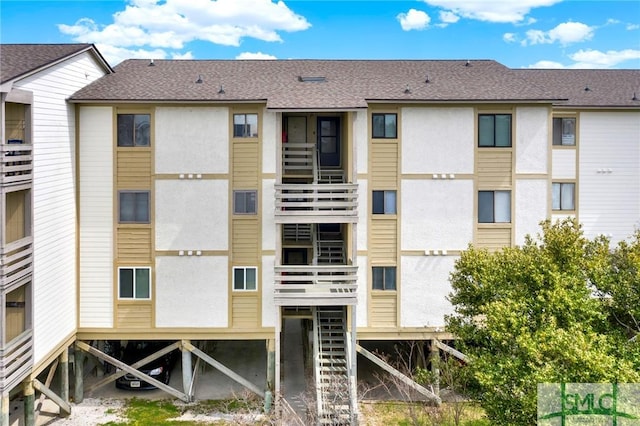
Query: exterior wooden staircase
x,y
334,392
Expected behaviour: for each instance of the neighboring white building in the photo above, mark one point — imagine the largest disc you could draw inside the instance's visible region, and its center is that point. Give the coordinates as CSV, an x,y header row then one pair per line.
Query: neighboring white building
x,y
38,285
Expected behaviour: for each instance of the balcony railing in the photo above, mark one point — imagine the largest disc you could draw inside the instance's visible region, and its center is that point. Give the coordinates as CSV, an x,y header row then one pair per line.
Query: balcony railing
x,y
16,261
16,359
316,203
315,285
16,163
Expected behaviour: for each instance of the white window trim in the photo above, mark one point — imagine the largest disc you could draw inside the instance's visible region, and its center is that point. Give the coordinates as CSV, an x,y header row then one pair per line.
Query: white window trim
x,y
233,279
134,283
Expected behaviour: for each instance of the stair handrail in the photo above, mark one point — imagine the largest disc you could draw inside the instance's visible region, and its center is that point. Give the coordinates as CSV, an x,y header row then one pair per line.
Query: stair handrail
x,y
316,361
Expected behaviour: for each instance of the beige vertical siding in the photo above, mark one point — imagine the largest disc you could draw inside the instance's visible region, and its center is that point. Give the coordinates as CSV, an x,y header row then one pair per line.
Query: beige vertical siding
x,y
384,241
494,237
15,216
134,168
134,244
244,244
15,314
134,315
244,310
494,168
14,121
245,165
383,310
384,165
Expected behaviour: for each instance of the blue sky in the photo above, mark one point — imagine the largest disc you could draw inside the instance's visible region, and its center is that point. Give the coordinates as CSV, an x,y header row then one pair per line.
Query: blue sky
x,y
517,33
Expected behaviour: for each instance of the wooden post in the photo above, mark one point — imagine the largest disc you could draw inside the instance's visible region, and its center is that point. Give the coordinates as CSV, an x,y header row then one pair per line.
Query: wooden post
x,y
64,375
271,374
78,389
4,408
186,369
435,366
29,403
277,344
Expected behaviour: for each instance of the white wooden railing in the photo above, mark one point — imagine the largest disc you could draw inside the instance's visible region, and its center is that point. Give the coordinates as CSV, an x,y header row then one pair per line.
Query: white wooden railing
x,y
16,261
16,163
16,359
315,285
319,203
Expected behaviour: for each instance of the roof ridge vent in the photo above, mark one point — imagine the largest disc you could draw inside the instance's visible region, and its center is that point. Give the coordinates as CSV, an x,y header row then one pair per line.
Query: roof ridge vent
x,y
635,98
311,79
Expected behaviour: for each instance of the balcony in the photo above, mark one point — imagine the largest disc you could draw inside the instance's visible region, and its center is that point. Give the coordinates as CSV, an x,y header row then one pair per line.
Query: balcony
x,y
317,285
316,203
16,359
16,163
16,261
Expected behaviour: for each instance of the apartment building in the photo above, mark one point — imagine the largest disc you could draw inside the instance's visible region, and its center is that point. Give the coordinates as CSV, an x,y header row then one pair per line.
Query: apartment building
x,y
221,200
38,283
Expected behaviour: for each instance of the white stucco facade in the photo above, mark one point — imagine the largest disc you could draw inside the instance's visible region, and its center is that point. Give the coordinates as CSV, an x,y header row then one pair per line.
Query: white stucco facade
x,y
532,139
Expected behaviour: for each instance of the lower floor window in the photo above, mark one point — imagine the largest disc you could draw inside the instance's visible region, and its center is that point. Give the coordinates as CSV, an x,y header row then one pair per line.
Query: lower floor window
x,y
384,277
134,283
494,206
245,278
563,196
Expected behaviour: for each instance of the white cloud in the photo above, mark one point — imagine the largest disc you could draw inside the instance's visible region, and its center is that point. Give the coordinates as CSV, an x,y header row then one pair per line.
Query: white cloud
x,y
413,20
594,59
509,37
491,11
547,64
448,17
631,27
611,58
565,33
171,24
256,55
187,55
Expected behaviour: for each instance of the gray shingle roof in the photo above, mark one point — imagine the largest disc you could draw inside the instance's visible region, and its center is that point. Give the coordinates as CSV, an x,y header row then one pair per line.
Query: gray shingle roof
x,y
606,88
349,83
17,60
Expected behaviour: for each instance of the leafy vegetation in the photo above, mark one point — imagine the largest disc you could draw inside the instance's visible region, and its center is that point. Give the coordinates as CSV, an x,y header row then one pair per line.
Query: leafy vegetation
x,y
560,308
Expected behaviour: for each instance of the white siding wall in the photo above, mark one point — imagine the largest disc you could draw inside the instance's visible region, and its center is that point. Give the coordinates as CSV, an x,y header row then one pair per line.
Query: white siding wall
x,y
269,135
425,286
191,140
530,207
563,164
54,231
96,217
192,214
532,136
437,140
191,291
268,280
609,200
268,215
363,212
437,214
363,291
361,141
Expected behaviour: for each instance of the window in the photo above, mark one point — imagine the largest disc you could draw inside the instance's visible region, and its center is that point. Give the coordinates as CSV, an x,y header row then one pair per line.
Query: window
x,y
134,206
494,130
245,278
134,283
563,196
384,126
244,202
384,277
134,130
245,125
384,202
564,131
494,206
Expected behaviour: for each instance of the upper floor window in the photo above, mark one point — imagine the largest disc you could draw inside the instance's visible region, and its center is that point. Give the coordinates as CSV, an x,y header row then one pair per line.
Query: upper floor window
x,y
563,196
494,206
385,126
564,131
244,202
383,277
134,129
245,125
133,206
245,278
494,130
134,283
384,202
